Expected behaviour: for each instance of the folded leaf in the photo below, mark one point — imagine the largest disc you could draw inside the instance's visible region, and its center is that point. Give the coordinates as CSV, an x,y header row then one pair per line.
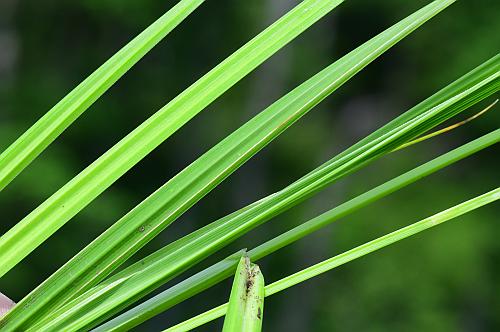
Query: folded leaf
x,y
246,304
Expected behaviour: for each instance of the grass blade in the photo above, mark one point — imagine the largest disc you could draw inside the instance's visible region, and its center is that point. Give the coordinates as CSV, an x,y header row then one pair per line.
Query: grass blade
x,y
384,241
350,255
334,75
246,304
131,232
222,270
487,69
185,252
27,147
58,209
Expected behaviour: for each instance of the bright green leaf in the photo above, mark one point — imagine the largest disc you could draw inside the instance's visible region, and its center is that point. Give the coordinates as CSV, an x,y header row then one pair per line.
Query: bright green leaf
x,y
218,272
178,256
169,202
185,252
58,209
27,147
246,305
350,255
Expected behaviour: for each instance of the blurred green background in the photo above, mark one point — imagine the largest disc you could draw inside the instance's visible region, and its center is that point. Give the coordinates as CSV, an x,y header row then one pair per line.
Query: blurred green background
x,y
446,279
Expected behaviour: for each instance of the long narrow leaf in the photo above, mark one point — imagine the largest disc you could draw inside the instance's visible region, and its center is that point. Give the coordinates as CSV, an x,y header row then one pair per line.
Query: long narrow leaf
x,y
40,224
351,255
222,270
27,147
164,206
182,254
185,252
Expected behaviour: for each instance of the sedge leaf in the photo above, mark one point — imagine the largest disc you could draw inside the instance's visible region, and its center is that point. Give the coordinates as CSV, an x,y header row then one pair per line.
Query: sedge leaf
x,y
175,258
183,253
222,270
350,255
58,209
165,205
27,147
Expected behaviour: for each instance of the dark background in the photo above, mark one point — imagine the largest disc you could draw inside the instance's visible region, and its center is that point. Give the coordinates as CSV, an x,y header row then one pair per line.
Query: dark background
x,y
446,279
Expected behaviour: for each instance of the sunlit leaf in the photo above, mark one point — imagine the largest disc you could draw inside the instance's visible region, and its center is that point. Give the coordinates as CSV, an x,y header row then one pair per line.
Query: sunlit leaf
x,y
58,209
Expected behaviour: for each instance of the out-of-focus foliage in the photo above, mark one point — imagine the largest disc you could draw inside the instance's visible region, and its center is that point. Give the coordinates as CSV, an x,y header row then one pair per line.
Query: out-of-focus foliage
x,y
454,270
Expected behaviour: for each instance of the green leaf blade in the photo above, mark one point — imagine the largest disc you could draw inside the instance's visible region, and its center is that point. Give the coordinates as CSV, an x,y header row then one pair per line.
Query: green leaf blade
x,y
91,182
174,295
383,241
27,147
213,240
135,229
222,270
350,255
187,251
